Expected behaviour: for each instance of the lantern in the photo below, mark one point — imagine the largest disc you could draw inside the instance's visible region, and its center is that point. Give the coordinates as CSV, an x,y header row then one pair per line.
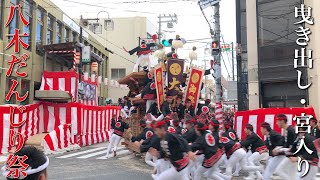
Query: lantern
x,y
93,77
77,56
86,76
94,67
106,81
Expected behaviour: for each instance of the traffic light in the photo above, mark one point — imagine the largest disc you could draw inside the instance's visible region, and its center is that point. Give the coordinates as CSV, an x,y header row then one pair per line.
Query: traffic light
x,y
215,48
167,43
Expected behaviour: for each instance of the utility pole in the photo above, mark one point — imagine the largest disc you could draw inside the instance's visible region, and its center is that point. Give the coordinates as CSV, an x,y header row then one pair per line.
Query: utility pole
x,y
217,58
169,19
80,63
232,57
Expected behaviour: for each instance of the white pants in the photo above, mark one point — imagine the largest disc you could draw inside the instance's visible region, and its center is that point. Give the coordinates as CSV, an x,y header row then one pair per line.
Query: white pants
x,y
312,173
150,160
254,160
114,141
287,169
272,164
211,173
158,118
239,156
173,174
141,58
162,165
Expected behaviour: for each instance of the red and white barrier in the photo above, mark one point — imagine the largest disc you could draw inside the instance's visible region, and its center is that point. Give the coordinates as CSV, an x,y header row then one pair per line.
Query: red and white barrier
x,y
90,124
62,81
258,116
59,140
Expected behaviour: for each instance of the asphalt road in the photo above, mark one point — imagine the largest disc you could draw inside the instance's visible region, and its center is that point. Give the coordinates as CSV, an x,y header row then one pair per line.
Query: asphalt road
x,y
125,167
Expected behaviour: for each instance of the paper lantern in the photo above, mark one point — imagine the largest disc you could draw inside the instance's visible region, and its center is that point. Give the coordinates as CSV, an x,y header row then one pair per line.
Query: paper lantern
x,y
77,57
86,76
93,78
94,67
106,81
193,55
99,79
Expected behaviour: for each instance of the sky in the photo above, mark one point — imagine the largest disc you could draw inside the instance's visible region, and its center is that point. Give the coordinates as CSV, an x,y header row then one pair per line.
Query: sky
x,y
191,22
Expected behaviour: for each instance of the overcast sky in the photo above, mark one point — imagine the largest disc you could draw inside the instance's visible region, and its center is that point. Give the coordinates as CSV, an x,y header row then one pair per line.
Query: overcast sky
x,y
191,23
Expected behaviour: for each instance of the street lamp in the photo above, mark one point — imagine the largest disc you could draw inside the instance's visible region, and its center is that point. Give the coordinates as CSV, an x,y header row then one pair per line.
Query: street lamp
x,y
108,23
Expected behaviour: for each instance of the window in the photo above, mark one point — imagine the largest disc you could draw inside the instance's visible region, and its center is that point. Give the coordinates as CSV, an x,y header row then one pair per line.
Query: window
x,y
25,87
59,32
14,23
27,12
74,36
117,73
40,19
66,34
50,30
1,15
8,86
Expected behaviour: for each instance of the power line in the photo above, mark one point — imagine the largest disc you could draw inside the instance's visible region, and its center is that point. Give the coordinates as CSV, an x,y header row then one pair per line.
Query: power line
x,y
109,7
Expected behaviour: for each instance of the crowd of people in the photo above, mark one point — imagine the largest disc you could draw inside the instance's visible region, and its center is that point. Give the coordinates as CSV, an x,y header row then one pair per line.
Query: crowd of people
x,y
192,147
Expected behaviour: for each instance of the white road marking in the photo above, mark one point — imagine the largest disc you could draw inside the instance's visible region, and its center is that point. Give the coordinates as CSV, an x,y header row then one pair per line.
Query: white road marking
x,y
98,153
81,152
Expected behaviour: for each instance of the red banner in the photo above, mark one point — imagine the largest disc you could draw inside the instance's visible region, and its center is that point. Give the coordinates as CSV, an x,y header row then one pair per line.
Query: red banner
x,y
194,86
258,116
158,74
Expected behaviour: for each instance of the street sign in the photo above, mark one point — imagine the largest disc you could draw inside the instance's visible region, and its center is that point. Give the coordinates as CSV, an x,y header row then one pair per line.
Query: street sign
x,y
86,52
207,3
215,48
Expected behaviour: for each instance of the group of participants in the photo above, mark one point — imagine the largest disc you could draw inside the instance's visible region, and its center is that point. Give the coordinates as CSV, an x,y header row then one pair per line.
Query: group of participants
x,y
200,148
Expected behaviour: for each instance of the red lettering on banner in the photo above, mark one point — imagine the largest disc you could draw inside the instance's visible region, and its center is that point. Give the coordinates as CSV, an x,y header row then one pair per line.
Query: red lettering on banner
x,y
16,40
16,166
15,60
12,90
16,140
12,13
12,110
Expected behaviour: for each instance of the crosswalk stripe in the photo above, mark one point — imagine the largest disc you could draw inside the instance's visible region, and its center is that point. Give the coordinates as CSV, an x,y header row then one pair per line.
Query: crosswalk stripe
x,y
119,153
81,152
97,153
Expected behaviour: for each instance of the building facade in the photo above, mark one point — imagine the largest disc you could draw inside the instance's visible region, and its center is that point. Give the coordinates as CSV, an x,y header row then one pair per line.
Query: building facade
x,y
47,25
267,39
125,34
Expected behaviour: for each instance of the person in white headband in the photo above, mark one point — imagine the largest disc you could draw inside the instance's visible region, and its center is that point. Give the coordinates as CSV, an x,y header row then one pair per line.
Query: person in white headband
x,y
37,162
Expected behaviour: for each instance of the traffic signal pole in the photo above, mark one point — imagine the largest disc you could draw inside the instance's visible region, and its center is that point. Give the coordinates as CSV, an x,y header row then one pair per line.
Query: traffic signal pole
x,y
216,38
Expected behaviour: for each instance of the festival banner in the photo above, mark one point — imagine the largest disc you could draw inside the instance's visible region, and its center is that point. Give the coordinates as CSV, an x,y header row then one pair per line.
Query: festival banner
x,y
194,86
159,86
175,71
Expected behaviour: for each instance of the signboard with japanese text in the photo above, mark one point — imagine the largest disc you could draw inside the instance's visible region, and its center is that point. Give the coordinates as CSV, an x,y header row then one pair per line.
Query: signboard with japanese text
x,y
159,83
86,52
175,72
194,86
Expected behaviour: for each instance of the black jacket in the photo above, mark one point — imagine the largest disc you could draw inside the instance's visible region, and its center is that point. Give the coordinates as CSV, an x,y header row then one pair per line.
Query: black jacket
x,y
190,135
308,141
178,130
315,132
174,147
119,128
189,111
254,143
273,140
208,144
180,111
153,142
139,49
290,138
113,123
231,134
145,134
